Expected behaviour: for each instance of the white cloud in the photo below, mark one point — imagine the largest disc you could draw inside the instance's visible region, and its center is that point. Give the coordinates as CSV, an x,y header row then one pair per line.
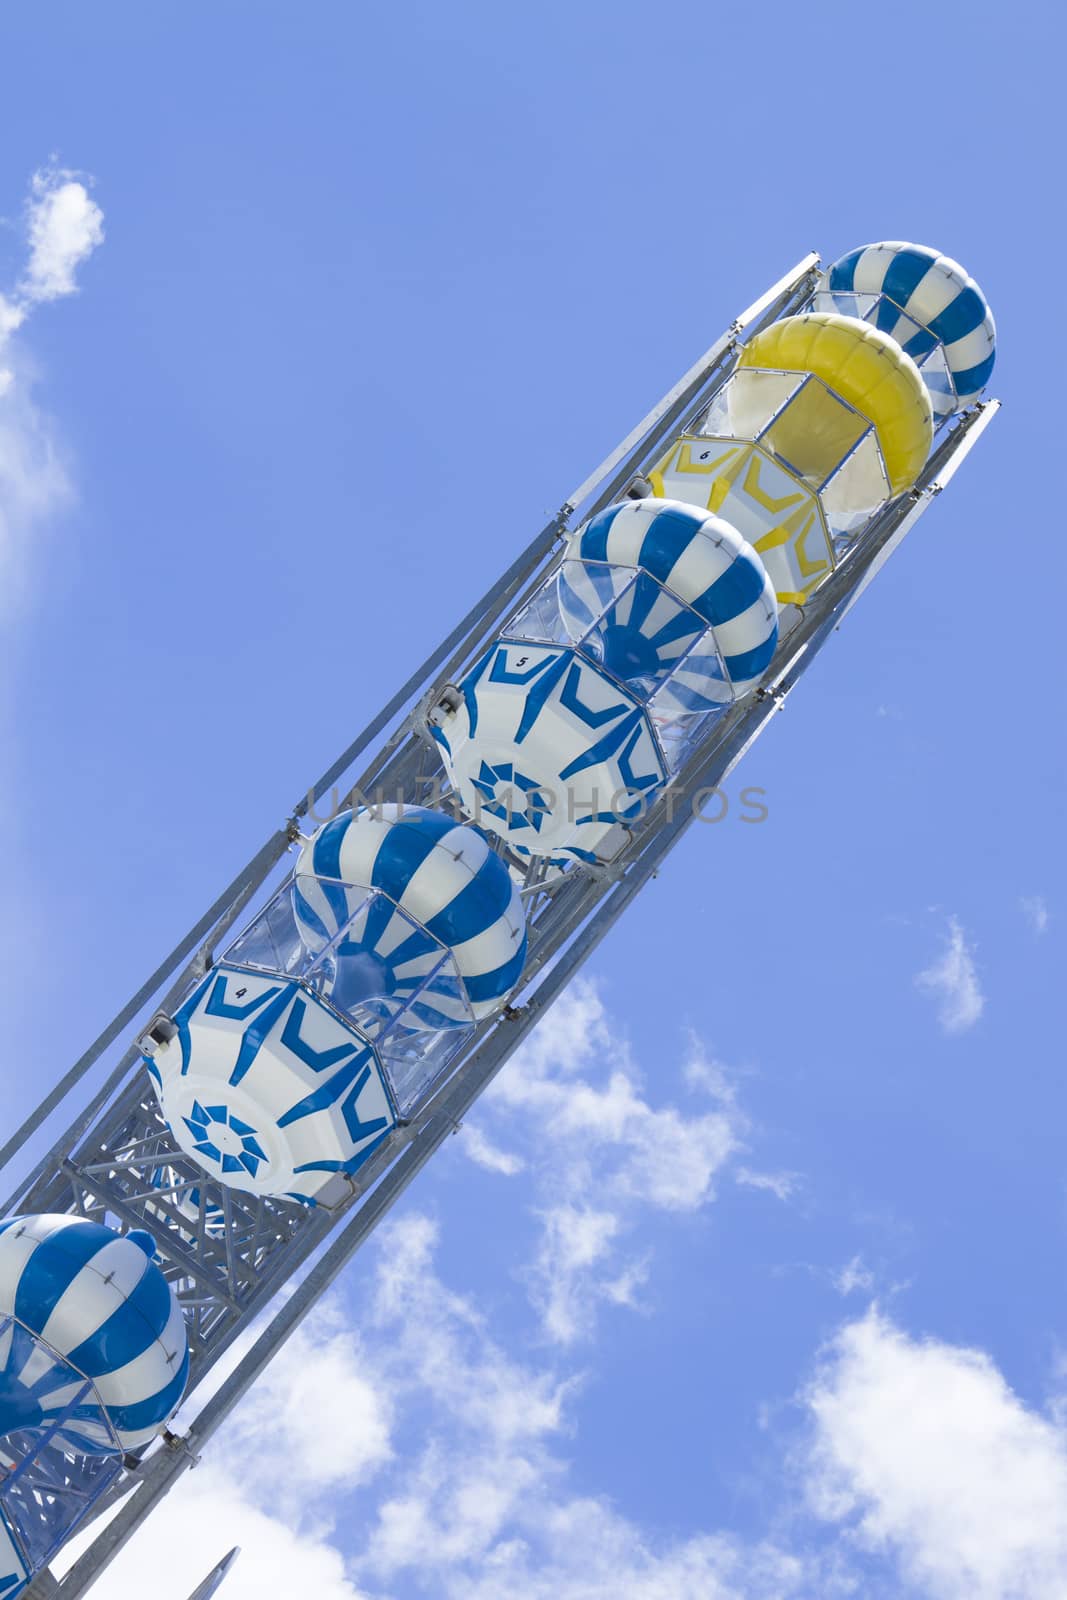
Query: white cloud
x,y
418,1455
292,1413
1035,911
602,1155
482,1509
783,1185
484,1153
580,1549
574,1240
656,1155
416,1450
437,1339
922,1448
10,318
623,1290
318,1420
952,981
34,482
852,1276
203,1517
64,227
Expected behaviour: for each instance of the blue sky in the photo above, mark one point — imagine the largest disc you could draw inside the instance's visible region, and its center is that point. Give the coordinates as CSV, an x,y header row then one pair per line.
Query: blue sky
x,y
746,1280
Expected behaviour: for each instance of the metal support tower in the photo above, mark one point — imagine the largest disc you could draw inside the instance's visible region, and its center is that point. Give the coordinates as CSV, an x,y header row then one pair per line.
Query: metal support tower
x,y
226,1253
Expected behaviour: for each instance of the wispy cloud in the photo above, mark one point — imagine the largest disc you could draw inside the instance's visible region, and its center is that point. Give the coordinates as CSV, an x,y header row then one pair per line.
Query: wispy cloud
x,y
576,1241
399,1446
922,1451
852,1276
571,1109
318,1432
482,1509
481,1150
63,226
783,1185
1035,911
952,982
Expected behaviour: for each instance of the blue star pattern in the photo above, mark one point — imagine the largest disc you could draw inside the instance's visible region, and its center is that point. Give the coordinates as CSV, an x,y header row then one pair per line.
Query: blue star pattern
x,y
497,785
224,1138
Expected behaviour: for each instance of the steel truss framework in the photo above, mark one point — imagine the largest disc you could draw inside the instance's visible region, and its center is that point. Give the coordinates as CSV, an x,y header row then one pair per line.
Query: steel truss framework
x,y
228,1253
46,1489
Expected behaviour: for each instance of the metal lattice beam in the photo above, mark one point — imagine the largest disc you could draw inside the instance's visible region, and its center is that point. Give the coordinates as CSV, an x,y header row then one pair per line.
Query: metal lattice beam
x,y
227,1254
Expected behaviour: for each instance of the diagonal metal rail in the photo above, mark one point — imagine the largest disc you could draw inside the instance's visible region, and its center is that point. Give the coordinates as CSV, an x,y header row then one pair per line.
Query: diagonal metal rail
x,y
227,1255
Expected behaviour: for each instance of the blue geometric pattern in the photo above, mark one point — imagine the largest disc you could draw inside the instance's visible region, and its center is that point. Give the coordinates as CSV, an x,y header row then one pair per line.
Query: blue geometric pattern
x,y
528,809
248,1080
672,616
592,716
201,1121
561,753
925,300
89,1304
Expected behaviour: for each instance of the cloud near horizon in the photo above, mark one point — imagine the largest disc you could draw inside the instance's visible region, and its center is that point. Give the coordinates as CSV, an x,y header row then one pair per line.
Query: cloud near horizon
x,y
398,1449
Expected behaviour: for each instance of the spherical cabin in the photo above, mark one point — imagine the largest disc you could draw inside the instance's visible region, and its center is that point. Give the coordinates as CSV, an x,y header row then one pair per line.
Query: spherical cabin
x,y
573,721
823,421
414,913
92,1339
928,305
335,1011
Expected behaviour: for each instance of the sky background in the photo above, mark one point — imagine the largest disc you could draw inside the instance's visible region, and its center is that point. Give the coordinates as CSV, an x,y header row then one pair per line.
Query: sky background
x,y
745,1280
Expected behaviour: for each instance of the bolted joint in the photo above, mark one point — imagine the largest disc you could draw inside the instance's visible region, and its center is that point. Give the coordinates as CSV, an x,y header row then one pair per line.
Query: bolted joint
x,y
446,705
638,488
160,1031
179,1443
774,695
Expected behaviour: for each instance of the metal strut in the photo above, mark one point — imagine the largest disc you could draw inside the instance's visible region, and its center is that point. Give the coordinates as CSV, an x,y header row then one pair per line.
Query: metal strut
x,y
232,1265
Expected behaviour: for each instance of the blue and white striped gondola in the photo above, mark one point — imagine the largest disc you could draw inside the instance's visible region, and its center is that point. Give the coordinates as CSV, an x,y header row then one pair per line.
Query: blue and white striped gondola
x,y
547,750
268,1089
697,655
925,300
76,1295
562,747
410,886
